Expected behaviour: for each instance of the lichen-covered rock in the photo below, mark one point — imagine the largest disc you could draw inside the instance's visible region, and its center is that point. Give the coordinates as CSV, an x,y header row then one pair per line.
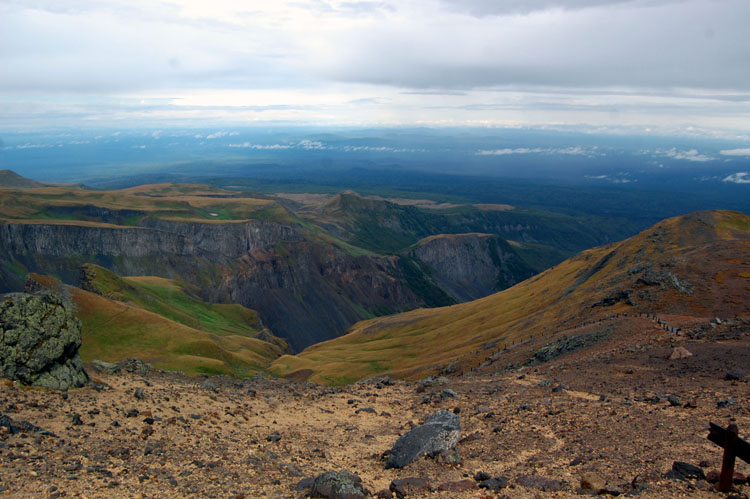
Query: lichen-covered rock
x,y
440,432
338,485
39,341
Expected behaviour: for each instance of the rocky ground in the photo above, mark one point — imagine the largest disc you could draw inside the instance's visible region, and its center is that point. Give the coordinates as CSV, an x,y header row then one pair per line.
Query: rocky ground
x,y
618,415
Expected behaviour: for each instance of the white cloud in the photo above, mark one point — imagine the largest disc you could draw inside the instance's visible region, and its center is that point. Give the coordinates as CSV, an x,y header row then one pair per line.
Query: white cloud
x,y
738,178
218,135
138,147
249,145
312,144
506,151
689,155
569,151
735,152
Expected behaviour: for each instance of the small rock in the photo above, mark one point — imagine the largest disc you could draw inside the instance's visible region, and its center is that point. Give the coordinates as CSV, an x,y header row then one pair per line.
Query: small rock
x,y
106,367
541,483
680,353
208,385
726,402
404,487
496,483
132,413
684,471
76,420
735,374
674,401
139,394
448,394
593,481
338,485
274,437
481,476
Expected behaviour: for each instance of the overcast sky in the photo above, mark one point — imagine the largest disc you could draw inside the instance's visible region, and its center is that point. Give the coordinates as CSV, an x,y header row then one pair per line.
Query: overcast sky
x,y
668,65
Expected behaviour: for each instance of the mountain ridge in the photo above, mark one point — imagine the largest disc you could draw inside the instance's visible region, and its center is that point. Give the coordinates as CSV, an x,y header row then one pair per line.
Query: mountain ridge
x,y
695,265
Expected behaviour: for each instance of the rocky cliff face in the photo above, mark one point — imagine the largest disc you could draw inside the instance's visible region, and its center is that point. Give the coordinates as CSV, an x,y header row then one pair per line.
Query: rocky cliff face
x,y
470,266
308,292
305,291
39,341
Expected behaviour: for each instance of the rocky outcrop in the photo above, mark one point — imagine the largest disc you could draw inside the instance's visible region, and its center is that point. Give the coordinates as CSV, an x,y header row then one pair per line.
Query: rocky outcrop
x,y
471,266
439,433
40,341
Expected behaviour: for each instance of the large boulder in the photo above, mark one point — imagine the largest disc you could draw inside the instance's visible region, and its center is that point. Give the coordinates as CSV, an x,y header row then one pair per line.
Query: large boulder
x,y
39,341
439,433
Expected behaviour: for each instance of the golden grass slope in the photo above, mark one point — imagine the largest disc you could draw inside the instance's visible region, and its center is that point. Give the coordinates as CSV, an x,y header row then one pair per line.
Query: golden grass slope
x,y
184,202
694,248
180,334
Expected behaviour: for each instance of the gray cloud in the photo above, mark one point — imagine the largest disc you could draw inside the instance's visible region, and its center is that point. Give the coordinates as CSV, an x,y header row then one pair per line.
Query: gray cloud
x,y
694,44
483,8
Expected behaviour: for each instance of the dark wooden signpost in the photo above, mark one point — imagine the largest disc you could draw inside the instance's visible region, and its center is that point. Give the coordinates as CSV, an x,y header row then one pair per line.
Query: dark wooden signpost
x,y
734,447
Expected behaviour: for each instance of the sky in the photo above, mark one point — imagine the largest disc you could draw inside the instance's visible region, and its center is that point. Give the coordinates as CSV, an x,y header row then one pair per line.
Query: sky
x,y
649,66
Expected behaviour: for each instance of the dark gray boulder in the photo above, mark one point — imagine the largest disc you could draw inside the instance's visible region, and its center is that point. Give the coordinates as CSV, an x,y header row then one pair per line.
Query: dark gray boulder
x,y
39,341
338,485
440,432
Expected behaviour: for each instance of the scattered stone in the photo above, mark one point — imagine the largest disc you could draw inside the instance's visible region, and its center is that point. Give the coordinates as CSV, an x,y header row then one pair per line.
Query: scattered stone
x,y
133,365
726,402
338,485
680,353
132,413
76,420
496,483
674,401
366,409
541,483
713,477
274,437
685,471
208,385
735,375
404,487
593,481
106,367
15,427
448,394
139,394
40,341
481,476
440,432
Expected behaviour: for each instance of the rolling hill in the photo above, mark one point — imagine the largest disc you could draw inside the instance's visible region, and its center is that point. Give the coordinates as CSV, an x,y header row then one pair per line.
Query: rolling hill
x,y
688,268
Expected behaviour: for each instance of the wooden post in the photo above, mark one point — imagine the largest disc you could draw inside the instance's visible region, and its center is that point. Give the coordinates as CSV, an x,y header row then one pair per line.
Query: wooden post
x,y
727,463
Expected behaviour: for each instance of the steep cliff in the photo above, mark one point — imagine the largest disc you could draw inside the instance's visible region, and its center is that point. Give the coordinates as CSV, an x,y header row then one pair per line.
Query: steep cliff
x,y
304,290
470,266
308,292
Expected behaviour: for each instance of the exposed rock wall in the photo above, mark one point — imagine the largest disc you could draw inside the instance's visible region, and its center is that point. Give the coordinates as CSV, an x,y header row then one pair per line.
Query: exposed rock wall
x,y
470,266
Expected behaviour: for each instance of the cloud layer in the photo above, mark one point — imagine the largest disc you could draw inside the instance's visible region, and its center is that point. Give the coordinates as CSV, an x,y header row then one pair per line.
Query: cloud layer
x,y
619,62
